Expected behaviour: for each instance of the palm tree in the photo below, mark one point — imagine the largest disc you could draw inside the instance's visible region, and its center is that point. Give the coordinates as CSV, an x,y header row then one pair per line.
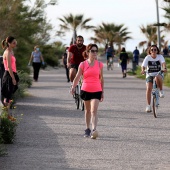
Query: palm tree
x,y
150,33
111,33
73,23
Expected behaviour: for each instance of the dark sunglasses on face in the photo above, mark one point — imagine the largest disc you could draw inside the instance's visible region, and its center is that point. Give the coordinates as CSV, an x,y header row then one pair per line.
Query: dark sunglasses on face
x,y
154,49
94,51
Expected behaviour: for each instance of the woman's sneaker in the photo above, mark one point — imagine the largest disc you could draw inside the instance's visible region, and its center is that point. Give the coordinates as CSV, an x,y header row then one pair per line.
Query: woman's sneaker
x,y
87,133
161,94
94,134
148,108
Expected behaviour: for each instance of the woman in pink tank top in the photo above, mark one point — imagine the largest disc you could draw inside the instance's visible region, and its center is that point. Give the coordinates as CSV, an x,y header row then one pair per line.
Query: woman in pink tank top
x,y
92,87
10,77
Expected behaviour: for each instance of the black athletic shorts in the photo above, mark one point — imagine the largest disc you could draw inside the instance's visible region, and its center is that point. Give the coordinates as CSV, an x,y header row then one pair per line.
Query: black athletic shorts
x,y
75,66
90,95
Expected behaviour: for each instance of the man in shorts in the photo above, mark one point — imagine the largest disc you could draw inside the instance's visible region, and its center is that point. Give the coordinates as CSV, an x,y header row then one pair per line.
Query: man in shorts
x,y
75,56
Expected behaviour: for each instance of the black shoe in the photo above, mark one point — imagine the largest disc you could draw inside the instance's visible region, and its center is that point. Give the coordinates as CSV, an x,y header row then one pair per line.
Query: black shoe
x,y
87,133
125,74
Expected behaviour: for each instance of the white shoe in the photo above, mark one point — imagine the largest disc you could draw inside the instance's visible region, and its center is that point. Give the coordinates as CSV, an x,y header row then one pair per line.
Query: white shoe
x,y
161,94
94,134
148,108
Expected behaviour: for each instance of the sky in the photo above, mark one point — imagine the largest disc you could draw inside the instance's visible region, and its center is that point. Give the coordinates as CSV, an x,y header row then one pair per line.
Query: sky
x,y
131,13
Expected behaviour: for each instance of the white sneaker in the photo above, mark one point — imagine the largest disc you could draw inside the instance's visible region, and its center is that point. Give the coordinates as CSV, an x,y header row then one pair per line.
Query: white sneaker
x,y
148,108
161,94
94,134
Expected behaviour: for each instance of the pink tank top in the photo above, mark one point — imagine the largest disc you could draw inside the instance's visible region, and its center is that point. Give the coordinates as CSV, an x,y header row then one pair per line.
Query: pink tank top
x,y
91,76
13,64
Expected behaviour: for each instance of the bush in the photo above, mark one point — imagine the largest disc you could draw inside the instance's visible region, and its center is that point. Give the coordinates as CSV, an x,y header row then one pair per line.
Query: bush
x,y
24,83
25,78
7,128
143,55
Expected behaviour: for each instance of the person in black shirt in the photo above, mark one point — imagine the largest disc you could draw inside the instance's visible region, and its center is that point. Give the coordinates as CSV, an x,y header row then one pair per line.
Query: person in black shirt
x,y
124,60
65,63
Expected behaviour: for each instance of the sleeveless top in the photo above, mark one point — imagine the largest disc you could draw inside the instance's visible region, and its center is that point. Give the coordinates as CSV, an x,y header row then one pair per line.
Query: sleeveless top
x,y
91,76
13,64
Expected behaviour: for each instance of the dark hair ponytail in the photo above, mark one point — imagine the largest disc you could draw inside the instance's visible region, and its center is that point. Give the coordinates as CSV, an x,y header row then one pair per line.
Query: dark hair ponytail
x,y
6,41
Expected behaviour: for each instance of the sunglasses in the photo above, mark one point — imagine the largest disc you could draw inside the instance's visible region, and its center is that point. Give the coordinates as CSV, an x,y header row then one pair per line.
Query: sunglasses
x,y
94,51
154,49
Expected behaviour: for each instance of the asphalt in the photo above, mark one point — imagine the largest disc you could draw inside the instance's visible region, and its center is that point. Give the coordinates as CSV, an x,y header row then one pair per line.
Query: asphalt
x,y
50,134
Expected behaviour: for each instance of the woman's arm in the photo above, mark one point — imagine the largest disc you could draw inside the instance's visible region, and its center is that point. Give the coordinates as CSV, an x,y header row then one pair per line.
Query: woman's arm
x,y
164,67
42,59
31,58
8,58
102,83
76,79
142,69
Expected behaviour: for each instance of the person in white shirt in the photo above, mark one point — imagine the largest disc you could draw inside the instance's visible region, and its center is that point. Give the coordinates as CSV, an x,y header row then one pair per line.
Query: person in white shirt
x,y
153,63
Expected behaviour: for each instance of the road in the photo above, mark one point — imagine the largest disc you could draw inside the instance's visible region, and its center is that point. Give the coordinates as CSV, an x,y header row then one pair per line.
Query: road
x,y
50,135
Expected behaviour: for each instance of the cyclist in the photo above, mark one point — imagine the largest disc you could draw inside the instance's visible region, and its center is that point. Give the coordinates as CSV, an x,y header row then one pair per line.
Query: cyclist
x,y
75,56
109,53
92,87
153,62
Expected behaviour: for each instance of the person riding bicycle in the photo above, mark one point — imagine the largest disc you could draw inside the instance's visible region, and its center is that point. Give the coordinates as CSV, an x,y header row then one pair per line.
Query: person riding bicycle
x,y
75,56
109,53
153,63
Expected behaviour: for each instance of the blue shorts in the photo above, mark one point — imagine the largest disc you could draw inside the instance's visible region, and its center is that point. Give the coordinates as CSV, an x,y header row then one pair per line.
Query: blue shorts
x,y
124,67
149,79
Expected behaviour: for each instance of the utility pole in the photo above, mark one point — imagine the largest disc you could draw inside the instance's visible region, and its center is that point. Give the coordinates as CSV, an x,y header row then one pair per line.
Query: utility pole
x,y
158,26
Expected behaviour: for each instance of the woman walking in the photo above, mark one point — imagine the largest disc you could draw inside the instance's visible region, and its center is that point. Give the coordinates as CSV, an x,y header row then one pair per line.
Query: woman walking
x,y
36,59
124,60
92,87
10,77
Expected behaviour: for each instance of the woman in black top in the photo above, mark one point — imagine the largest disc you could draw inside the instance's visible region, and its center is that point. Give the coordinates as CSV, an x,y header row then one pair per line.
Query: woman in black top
x,y
124,60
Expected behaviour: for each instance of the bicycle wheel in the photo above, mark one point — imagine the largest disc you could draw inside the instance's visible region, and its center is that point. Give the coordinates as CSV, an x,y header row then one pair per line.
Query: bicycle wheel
x,y
82,104
77,101
154,107
77,98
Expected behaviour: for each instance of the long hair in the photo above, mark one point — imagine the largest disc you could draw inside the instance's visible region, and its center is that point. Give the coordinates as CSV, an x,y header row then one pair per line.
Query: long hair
x,y
149,49
88,48
6,41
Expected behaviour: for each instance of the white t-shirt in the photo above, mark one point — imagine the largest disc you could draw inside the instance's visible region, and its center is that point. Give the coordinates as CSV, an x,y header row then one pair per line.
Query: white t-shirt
x,y
153,65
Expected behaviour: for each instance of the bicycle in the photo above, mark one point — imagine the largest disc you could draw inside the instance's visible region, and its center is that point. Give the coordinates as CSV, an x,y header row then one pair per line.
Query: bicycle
x,y
155,96
110,64
79,102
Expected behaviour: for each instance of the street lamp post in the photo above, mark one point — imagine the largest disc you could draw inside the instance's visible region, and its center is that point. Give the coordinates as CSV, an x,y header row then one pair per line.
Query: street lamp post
x,y
158,26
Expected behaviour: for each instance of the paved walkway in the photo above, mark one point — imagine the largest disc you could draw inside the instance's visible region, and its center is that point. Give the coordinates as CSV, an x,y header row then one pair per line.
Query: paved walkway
x,y
50,136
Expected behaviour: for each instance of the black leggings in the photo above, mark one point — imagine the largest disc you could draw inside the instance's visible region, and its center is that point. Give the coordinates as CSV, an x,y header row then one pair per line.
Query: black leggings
x,y
36,67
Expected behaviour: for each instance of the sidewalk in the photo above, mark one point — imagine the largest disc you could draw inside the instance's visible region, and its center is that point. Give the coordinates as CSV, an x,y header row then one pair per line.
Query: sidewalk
x,y
50,136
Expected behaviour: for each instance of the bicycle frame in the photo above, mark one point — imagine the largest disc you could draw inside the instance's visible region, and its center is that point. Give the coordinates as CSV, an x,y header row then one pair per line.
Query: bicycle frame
x,y
155,92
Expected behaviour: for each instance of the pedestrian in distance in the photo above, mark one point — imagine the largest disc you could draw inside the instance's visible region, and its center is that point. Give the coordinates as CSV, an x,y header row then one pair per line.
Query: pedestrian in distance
x,y
136,56
123,60
153,63
37,60
92,91
75,56
64,59
109,54
10,78
165,51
